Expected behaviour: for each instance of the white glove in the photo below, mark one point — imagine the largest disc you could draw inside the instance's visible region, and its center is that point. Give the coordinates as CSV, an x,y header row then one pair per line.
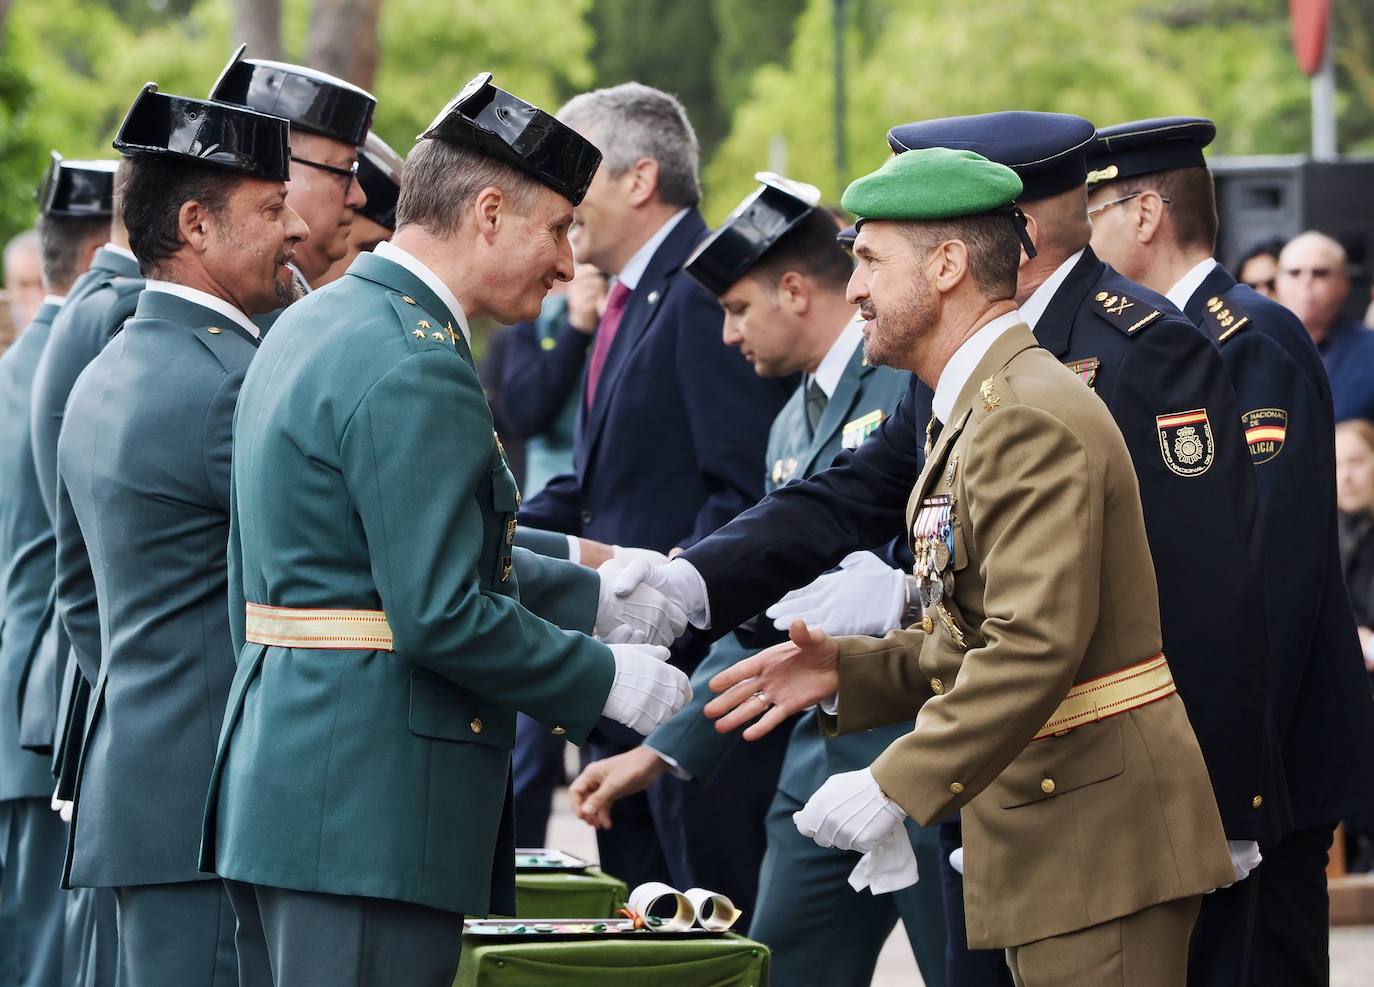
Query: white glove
x,y
866,596
679,581
647,691
62,807
850,812
639,615
1245,856
956,860
889,866
620,553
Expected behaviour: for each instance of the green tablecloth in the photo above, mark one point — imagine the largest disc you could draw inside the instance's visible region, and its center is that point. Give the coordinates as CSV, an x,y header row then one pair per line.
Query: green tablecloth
x,y
592,894
727,961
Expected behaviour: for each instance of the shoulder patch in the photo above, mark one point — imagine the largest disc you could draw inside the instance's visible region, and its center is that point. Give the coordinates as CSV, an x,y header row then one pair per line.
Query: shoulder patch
x,y
1126,313
1223,318
1266,430
418,324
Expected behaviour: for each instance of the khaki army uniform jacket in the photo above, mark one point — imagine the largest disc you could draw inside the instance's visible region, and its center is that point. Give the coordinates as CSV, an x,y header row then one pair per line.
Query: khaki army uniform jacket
x,y
1052,585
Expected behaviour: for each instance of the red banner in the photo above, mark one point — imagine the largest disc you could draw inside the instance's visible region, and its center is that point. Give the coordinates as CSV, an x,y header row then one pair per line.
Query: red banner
x,y
1311,20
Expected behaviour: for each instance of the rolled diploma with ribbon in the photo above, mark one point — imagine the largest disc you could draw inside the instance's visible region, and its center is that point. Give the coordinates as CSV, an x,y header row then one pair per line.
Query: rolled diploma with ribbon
x,y
722,911
644,898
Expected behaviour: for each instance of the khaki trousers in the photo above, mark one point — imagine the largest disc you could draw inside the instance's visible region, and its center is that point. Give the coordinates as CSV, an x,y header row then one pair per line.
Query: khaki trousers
x,y
1148,948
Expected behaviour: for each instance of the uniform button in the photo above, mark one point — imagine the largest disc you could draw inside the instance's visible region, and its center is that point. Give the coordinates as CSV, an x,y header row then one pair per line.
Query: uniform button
x,y
214,330
586,517
956,788
476,725
407,299
1257,801
558,731
937,687
1047,786
927,624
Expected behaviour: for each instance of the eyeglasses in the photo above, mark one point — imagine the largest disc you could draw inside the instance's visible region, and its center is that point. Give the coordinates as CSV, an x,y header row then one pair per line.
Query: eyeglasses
x,y
347,174
1125,198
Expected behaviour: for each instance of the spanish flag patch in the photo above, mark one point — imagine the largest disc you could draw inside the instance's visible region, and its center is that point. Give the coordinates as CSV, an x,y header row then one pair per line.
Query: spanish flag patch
x,y
1265,432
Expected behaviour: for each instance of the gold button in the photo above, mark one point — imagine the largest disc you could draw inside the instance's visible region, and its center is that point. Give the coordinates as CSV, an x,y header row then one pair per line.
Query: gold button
x,y
1257,801
956,788
214,330
1047,786
558,731
927,624
476,725
937,687
407,299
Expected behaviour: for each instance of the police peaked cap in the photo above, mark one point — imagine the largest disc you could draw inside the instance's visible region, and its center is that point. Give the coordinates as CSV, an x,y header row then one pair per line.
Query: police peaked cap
x,y
769,213
311,100
379,173
77,188
1145,146
195,130
490,120
1046,150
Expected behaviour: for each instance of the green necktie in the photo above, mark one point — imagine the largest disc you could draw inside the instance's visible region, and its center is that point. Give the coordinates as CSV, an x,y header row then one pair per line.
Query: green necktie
x,y
815,403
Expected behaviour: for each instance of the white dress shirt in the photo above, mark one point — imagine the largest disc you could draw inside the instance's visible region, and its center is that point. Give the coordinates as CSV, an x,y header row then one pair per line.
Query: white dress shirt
x,y
1034,306
966,359
1190,283
115,248
634,267
836,359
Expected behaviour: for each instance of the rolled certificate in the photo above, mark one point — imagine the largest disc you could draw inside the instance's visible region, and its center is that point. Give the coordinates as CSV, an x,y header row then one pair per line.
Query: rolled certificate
x,y
650,901
713,911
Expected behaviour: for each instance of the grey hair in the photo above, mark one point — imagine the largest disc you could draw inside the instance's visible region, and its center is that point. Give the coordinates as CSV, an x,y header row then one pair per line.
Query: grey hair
x,y
633,121
441,182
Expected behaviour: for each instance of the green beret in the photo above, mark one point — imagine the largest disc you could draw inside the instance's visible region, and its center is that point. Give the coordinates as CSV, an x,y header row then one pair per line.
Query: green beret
x,y
933,183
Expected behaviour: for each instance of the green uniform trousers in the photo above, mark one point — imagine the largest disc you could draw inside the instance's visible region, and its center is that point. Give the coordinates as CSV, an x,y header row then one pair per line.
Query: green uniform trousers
x,y
33,840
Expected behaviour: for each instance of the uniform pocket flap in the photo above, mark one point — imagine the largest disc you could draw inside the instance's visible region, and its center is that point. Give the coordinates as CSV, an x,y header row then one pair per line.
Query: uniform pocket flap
x,y
445,711
1055,765
960,553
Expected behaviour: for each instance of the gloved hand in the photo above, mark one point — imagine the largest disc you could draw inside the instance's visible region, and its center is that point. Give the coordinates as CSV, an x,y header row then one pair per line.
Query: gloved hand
x,y
850,812
1245,856
866,596
639,615
646,691
62,807
889,866
620,553
679,581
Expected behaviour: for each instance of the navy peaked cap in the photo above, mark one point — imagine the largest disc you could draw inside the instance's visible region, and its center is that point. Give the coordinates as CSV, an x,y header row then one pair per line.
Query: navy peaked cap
x,y
1145,146
1046,150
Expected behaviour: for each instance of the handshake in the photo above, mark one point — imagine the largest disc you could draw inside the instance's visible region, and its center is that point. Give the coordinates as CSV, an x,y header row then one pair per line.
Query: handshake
x,y
642,610
639,613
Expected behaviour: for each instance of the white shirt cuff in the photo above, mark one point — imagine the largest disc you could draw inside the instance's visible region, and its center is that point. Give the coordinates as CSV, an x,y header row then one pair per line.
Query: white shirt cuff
x,y
678,770
574,549
831,705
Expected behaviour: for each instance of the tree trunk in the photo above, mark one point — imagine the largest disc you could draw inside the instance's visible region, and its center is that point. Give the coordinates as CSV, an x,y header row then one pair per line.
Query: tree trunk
x,y
258,25
343,39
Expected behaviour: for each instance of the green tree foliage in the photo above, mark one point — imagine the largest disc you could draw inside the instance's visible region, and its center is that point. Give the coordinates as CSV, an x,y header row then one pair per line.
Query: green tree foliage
x,y
916,59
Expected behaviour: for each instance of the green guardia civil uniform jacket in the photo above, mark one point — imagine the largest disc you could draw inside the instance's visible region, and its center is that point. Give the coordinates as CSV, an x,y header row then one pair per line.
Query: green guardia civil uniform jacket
x,y
367,477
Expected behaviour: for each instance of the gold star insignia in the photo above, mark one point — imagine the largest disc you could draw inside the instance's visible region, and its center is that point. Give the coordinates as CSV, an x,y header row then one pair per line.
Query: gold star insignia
x,y
424,324
438,337
419,334
988,391
452,336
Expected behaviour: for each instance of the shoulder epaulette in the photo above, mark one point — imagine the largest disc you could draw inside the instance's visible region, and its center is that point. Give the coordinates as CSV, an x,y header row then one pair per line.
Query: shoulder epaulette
x,y
1128,314
1223,318
222,342
419,324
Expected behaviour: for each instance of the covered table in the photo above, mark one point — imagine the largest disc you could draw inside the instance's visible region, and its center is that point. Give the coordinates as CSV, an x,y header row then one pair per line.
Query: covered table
x,y
591,893
722,960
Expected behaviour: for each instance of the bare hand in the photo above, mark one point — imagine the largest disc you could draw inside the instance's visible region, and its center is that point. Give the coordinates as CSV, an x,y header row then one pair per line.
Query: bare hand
x,y
586,295
604,783
772,685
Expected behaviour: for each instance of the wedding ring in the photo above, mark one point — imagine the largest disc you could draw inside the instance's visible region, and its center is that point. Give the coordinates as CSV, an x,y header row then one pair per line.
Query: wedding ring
x,y
762,698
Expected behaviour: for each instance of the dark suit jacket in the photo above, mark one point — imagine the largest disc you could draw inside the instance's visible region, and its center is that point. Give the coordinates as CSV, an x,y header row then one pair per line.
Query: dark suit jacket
x,y
1320,703
143,515
669,450
1204,530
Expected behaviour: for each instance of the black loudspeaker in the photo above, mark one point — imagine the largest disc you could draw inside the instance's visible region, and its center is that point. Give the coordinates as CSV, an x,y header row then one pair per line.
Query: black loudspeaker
x,y
1266,198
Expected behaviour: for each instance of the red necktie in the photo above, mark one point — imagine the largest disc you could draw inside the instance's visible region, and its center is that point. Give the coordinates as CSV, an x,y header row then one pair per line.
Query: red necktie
x,y
605,335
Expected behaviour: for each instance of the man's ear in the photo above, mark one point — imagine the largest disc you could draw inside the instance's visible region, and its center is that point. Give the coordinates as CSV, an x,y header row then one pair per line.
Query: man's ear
x,y
195,224
794,293
1149,215
644,185
1033,233
488,212
951,264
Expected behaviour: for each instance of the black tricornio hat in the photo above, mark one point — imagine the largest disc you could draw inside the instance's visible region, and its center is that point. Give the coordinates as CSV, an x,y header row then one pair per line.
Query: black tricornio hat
x,y
485,118
1046,150
1145,146
208,133
83,189
379,173
309,99
760,221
